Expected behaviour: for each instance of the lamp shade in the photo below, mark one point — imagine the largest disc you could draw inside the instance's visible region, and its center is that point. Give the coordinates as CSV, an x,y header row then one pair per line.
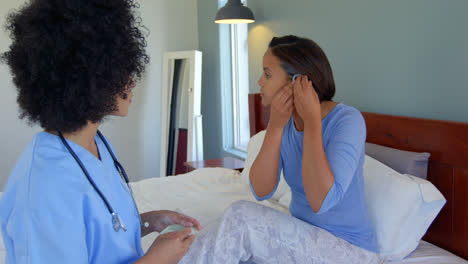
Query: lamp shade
x,y
234,12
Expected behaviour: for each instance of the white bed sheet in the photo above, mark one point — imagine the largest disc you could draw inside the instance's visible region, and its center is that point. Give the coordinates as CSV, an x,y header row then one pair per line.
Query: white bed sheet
x,y
203,194
206,193
428,253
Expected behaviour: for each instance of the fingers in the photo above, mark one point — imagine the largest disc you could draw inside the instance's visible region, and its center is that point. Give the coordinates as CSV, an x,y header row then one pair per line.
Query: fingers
x,y
189,240
289,102
304,81
297,90
284,101
187,243
285,93
287,89
194,222
298,85
182,234
189,221
169,235
307,84
302,85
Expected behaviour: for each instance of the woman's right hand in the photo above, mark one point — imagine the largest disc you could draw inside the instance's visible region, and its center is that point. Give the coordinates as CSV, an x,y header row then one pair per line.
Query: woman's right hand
x,y
282,107
169,248
264,171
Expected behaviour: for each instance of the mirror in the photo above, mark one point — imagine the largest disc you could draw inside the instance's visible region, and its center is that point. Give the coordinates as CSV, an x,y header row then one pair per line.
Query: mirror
x,y
181,129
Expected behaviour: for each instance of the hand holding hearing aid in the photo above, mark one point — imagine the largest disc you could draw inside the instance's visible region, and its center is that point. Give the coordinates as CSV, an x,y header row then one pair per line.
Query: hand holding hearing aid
x,y
306,100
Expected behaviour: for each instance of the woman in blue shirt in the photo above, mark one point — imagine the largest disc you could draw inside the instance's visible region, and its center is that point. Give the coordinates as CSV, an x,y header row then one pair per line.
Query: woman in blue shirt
x,y
316,142
319,146
68,200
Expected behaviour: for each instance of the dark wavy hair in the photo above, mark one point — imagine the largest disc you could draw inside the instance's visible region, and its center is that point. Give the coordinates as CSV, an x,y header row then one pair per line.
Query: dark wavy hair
x,y
71,59
304,56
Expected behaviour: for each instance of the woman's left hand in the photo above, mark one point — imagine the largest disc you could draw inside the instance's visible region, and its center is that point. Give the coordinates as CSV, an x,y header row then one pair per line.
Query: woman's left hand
x,y
159,220
306,100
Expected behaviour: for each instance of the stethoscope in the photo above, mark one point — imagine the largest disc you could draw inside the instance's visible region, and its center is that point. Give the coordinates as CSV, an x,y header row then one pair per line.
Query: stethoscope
x,y
117,222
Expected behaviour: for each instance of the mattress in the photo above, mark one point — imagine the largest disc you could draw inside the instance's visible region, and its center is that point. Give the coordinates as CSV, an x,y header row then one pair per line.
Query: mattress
x,y
205,193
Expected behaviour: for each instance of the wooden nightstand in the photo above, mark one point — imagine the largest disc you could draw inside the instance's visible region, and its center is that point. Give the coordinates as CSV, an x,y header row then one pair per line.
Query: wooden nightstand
x,y
226,162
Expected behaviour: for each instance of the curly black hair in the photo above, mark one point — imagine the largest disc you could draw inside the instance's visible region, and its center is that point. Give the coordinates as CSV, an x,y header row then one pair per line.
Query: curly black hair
x,y
71,59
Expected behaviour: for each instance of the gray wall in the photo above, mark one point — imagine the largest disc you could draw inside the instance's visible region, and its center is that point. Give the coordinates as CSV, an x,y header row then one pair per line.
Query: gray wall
x,y
173,26
396,57
211,88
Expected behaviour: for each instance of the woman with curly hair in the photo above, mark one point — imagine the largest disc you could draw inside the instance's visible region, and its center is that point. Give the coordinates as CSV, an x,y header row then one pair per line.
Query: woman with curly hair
x,y
74,62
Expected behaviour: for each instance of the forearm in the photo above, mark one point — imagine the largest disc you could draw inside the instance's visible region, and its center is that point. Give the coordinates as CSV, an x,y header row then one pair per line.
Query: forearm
x,y
317,176
151,257
142,260
264,170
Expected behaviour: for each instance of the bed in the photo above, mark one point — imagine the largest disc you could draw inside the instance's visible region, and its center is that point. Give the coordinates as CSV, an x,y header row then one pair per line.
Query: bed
x,y
448,171
206,193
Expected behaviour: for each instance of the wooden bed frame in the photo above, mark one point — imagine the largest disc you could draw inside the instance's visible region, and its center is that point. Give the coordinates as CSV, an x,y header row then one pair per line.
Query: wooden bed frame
x,y
448,165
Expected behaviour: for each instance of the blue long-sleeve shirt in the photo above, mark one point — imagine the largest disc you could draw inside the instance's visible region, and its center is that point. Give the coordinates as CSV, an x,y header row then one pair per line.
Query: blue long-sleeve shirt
x,y
344,210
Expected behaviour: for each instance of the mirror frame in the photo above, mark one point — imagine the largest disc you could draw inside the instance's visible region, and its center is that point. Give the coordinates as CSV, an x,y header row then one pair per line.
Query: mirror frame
x,y
195,128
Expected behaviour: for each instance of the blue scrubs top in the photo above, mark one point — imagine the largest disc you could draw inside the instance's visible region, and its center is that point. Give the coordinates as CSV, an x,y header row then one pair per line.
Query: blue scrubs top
x,y
50,213
344,211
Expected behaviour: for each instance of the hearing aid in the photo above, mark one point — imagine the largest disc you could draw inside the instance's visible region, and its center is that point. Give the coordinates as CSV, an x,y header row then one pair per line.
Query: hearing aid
x,y
177,228
295,76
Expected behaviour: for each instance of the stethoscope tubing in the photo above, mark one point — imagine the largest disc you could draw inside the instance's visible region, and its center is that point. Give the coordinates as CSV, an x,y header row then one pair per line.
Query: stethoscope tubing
x,y
116,220
117,164
85,171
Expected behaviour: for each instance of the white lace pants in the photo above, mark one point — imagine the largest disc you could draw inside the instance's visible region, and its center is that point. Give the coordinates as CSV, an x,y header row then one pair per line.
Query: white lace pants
x,y
253,233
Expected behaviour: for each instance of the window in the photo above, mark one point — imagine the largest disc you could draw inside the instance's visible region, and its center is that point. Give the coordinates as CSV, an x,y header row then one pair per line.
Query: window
x,y
235,86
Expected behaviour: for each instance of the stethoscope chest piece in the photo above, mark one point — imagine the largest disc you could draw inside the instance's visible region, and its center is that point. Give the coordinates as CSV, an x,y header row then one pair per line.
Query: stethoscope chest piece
x,y
117,223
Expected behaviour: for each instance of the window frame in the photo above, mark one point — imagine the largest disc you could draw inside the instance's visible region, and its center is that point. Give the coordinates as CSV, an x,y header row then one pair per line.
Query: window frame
x,y
235,87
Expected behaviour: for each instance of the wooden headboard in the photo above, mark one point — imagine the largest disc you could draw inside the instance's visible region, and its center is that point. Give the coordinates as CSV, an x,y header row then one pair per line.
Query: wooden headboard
x,y
448,165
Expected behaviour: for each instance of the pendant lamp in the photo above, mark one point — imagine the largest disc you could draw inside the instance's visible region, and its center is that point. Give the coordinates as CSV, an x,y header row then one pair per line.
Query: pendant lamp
x,y
234,12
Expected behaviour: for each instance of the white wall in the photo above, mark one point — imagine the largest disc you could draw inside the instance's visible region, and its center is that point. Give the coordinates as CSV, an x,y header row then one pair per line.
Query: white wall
x,y
14,133
172,26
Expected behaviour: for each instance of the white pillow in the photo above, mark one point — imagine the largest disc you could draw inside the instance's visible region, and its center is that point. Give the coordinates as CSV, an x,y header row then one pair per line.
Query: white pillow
x,y
255,144
401,207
